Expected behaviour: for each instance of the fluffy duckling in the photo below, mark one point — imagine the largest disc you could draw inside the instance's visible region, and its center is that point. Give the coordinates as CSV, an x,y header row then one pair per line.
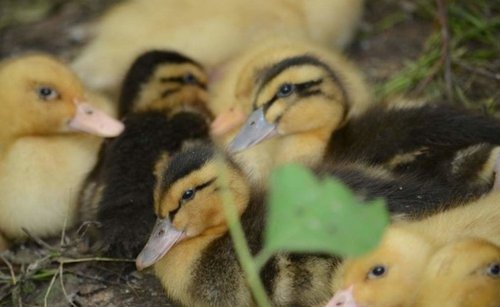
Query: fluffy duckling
x,y
163,105
191,248
389,275
43,160
223,28
310,106
310,91
464,273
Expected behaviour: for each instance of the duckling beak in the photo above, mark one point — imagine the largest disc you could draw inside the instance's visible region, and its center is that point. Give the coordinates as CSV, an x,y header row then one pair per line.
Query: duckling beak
x,y
255,130
94,121
163,237
343,298
227,121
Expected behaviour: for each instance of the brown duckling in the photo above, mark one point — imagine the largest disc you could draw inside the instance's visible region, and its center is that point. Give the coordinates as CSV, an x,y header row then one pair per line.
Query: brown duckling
x,y
223,29
43,160
163,105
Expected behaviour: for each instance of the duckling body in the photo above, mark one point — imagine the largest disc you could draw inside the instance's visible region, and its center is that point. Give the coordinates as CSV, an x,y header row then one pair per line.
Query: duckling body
x,y
42,164
161,111
223,28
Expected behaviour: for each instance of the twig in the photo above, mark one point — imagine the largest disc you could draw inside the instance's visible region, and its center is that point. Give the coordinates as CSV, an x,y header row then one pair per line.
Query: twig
x,y
61,266
445,51
11,269
45,298
40,241
62,260
480,71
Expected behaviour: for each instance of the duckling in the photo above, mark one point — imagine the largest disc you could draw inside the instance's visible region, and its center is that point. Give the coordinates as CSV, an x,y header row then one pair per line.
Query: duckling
x,y
163,105
385,277
311,107
389,275
190,242
318,88
463,273
223,28
43,160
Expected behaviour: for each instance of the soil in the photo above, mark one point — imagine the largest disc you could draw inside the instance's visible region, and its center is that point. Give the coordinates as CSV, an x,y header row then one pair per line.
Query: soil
x,y
62,29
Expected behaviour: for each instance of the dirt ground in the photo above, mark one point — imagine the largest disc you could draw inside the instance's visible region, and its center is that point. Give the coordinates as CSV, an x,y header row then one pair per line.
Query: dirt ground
x,y
60,29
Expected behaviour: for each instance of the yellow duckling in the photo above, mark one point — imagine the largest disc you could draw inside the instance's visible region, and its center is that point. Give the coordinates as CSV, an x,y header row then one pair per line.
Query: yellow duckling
x,y
42,164
210,31
389,275
465,273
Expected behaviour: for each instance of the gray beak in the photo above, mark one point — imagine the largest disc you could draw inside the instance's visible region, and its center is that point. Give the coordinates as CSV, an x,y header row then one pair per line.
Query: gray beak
x,y
255,130
163,237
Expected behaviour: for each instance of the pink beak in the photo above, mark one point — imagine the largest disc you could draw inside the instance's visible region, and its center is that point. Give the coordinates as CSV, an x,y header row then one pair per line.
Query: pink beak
x,y
227,121
94,121
343,298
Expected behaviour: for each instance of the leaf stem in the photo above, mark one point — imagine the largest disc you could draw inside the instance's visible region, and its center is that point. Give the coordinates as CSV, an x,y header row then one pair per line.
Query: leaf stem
x,y
240,245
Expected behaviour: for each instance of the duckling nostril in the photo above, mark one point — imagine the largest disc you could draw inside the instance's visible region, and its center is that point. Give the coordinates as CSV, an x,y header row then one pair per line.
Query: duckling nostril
x,y
89,112
161,232
252,123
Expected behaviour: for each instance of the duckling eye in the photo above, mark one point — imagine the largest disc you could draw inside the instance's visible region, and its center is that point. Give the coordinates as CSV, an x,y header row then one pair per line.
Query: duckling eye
x,y
377,272
494,270
187,195
285,90
47,93
189,78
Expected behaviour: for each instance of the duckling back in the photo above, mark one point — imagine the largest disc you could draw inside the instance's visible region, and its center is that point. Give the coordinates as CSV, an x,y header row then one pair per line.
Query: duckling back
x,y
222,28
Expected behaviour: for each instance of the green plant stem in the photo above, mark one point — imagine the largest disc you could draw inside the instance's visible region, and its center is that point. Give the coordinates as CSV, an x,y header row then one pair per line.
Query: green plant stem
x,y
261,258
240,245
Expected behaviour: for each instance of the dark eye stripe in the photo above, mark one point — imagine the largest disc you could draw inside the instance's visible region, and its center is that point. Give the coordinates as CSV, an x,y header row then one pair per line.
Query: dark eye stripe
x,y
172,213
181,80
206,184
272,72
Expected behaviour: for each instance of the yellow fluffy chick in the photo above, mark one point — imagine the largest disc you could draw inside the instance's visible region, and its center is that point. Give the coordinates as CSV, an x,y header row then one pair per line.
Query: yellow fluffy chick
x,y
465,273
209,31
389,275
310,89
42,163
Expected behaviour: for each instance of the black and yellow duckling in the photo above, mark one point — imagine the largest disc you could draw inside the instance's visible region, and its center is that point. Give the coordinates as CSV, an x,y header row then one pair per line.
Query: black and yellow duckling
x,y
193,251
309,90
190,242
163,105
223,28
43,161
306,105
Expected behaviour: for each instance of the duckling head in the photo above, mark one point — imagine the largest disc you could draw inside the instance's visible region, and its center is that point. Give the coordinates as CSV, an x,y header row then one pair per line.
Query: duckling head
x,y
290,89
386,276
163,80
41,96
188,202
462,273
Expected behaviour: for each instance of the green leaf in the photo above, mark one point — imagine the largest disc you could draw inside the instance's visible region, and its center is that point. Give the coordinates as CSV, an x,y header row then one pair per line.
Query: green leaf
x,y
309,215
